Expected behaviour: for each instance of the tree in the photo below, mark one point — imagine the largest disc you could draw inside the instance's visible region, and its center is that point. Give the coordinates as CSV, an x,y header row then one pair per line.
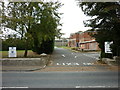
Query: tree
x,y
105,21
50,19
23,16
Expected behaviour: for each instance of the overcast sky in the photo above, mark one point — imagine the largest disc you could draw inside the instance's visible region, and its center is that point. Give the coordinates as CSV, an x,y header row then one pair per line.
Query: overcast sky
x,y
72,18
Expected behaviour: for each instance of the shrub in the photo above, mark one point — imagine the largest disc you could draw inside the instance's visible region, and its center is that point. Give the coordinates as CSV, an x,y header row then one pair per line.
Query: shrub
x,y
46,46
18,43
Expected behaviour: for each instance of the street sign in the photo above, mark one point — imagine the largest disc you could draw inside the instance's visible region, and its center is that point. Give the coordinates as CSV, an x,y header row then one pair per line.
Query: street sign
x,y
12,52
107,47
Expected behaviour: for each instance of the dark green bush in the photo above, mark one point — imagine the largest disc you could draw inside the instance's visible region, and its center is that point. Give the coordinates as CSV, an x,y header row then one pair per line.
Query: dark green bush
x,y
18,43
46,46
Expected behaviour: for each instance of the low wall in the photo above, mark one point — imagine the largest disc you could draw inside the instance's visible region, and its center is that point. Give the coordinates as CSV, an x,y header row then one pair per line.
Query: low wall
x,y
116,58
24,61
114,61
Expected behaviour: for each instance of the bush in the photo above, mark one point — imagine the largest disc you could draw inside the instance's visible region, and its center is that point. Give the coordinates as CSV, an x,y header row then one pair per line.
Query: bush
x,y
45,47
18,43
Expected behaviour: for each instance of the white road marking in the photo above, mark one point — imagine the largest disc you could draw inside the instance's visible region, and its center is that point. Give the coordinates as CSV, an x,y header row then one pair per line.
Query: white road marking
x,y
75,56
87,63
68,64
77,63
58,64
63,63
63,55
96,87
14,87
74,64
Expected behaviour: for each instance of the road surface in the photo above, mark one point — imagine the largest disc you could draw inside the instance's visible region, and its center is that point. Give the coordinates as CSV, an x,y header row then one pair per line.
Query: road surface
x,y
60,79
66,57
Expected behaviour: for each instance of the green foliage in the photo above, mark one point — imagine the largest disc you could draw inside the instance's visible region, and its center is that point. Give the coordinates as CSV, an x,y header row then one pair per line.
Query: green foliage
x,y
105,21
39,20
46,46
18,43
44,32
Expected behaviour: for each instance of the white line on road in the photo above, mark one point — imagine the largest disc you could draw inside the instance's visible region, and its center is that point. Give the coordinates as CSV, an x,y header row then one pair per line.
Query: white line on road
x,y
13,87
96,87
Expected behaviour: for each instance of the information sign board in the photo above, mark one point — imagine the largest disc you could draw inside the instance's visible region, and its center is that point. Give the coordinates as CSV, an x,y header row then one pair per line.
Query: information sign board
x,y
107,47
12,52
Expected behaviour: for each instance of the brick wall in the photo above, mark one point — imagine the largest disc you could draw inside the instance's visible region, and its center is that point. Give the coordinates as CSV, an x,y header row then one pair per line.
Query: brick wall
x,y
84,40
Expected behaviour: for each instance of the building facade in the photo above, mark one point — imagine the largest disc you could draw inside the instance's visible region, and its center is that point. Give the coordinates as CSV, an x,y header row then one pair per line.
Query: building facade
x,y
61,42
74,39
83,40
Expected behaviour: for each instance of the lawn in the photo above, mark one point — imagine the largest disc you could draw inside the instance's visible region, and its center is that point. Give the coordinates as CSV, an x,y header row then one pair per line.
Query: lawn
x,y
20,53
64,47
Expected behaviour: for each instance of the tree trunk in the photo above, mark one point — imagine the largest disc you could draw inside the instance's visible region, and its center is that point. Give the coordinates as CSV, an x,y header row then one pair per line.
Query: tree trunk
x,y
26,49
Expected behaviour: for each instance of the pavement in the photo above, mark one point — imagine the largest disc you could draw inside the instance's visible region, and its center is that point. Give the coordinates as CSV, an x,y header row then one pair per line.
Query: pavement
x,y
67,60
21,68
24,64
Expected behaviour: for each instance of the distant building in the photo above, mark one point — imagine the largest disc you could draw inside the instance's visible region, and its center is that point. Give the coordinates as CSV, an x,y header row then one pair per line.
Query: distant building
x,y
83,40
61,42
74,39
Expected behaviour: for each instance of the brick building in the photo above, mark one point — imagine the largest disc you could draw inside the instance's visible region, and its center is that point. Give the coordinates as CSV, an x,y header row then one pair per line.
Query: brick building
x,y
74,39
83,40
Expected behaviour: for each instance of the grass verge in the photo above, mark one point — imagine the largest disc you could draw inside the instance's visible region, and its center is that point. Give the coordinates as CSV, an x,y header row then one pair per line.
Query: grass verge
x,y
64,47
20,54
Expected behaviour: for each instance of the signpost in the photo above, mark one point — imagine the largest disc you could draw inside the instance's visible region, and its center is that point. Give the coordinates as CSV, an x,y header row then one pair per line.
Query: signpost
x,y
107,47
12,52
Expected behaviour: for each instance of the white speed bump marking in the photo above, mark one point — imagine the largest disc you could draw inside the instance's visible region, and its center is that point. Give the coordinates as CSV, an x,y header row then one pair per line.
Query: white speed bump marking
x,y
68,64
58,64
77,63
63,63
87,63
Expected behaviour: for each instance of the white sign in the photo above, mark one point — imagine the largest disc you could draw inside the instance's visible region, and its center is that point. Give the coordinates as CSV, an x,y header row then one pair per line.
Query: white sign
x,y
12,52
107,47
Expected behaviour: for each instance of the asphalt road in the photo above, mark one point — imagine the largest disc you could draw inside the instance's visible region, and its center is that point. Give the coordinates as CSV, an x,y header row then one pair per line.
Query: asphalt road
x,y
64,57
60,79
